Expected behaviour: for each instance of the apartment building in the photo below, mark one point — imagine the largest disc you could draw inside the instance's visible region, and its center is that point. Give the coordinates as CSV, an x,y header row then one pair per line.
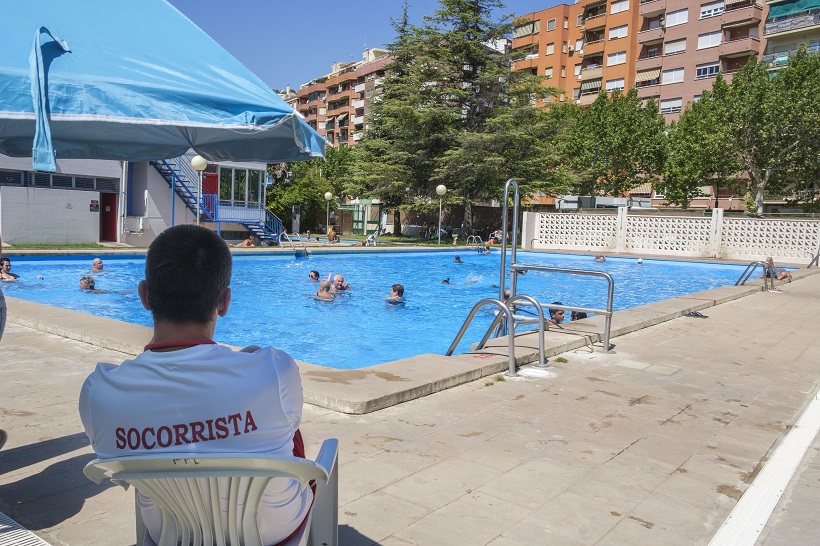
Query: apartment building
x,y
335,104
788,24
670,50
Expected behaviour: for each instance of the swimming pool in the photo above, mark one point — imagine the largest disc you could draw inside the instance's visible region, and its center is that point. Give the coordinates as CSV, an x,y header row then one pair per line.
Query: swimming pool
x,y
272,303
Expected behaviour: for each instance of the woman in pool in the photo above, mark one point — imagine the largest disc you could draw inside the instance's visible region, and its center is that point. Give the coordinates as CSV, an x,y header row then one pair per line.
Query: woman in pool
x,y
324,292
313,276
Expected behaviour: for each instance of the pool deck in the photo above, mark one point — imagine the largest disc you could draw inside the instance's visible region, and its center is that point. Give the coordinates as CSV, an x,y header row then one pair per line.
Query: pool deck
x,y
653,443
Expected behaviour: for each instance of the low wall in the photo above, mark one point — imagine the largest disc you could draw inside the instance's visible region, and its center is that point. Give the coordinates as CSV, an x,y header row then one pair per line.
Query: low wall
x,y
692,236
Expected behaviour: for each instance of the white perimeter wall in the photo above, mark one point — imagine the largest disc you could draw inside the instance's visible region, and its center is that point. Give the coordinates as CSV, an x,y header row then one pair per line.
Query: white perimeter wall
x,y
785,239
49,216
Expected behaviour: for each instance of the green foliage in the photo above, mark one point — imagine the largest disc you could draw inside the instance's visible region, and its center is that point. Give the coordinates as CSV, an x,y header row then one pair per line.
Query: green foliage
x,y
694,160
617,143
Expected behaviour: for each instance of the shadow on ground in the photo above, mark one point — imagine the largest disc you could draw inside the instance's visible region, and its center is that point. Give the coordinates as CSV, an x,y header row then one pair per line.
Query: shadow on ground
x,y
351,537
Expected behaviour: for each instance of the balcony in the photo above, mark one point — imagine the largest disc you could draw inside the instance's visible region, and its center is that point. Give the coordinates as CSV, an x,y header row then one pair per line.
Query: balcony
x,y
739,48
358,104
779,60
648,62
647,91
592,72
791,24
359,88
651,8
589,98
593,47
650,35
358,120
357,137
751,14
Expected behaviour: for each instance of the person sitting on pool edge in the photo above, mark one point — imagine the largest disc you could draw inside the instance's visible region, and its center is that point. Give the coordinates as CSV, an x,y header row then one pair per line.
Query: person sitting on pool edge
x,y
396,294
149,405
556,315
769,270
324,293
249,242
332,237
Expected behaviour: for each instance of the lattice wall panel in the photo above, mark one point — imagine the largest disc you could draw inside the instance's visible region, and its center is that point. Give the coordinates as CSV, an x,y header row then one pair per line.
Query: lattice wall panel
x,y
673,234
577,230
746,237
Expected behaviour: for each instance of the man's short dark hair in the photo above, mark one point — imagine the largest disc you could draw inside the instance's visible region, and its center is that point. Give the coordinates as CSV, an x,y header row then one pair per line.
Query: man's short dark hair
x,y
398,289
554,310
187,270
5,259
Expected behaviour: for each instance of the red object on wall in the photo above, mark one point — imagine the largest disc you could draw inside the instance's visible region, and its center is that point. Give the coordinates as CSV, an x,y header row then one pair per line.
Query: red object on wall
x,y
108,217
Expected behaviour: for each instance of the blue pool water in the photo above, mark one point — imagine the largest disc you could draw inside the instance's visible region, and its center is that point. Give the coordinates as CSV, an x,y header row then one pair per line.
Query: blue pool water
x,y
271,303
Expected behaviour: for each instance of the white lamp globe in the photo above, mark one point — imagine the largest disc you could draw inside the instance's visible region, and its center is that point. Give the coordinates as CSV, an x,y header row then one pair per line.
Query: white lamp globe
x,y
199,163
441,189
328,196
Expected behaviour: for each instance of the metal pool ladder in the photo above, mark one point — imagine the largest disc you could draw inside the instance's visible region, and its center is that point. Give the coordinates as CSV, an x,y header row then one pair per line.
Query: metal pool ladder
x,y
751,269
507,306
298,252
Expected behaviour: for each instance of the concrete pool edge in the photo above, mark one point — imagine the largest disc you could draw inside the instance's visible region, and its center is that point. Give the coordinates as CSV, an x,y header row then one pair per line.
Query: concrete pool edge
x,y
377,387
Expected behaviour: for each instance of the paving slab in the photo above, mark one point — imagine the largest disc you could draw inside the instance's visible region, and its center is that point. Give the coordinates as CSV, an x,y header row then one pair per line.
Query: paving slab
x,y
599,449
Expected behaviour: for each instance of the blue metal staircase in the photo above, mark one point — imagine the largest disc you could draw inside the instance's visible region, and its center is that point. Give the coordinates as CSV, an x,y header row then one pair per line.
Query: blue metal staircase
x,y
180,176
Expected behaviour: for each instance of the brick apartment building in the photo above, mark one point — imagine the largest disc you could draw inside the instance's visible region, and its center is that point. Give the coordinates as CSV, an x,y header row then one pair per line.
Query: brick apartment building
x,y
335,104
669,49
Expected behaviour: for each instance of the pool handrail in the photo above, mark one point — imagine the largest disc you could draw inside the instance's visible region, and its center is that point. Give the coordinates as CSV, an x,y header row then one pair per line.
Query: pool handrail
x,y
607,312
751,269
299,252
542,325
510,342
513,238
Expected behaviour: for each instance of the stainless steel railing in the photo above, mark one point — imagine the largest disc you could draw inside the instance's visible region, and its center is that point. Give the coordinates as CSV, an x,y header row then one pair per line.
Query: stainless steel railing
x,y
751,269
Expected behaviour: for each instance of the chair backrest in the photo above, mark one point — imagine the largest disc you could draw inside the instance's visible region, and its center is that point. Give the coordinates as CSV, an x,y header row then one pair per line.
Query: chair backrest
x,y
186,488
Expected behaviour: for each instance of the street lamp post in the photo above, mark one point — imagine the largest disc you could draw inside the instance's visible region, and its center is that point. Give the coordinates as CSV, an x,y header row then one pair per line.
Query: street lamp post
x,y
199,164
328,197
441,189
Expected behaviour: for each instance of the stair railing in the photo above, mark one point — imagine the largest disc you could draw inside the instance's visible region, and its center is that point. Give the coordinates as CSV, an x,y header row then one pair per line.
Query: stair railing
x,y
751,269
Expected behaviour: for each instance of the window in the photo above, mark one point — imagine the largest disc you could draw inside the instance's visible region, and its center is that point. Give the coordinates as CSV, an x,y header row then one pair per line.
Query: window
x,y
533,27
707,70
710,39
579,21
677,17
696,98
618,7
563,71
670,106
323,111
711,9
564,47
618,32
576,93
548,72
675,46
566,22
672,76
579,44
578,69
616,58
551,24
550,49
612,85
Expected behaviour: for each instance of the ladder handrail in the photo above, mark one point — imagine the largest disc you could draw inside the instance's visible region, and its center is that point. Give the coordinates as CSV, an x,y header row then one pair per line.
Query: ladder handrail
x,y
510,342
751,269
287,237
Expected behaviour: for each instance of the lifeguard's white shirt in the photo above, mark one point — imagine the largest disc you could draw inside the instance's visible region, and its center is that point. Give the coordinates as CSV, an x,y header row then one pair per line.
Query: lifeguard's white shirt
x,y
205,399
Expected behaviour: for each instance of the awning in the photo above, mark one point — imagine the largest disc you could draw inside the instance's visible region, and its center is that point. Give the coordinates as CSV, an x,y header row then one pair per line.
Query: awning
x,y
743,23
733,2
790,7
645,188
647,75
342,117
591,84
591,55
330,118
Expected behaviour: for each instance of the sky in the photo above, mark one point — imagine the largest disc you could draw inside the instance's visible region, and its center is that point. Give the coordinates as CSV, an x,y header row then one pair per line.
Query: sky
x,y
293,42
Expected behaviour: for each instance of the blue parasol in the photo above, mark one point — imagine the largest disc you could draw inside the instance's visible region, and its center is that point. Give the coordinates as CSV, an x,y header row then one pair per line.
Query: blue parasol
x,y
137,81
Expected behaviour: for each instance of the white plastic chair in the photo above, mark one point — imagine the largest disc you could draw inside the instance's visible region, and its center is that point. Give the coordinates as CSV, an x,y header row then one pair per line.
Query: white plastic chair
x,y
371,239
189,516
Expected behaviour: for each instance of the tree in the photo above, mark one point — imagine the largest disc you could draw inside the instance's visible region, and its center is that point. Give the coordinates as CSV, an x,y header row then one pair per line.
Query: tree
x,y
619,141
774,123
693,162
